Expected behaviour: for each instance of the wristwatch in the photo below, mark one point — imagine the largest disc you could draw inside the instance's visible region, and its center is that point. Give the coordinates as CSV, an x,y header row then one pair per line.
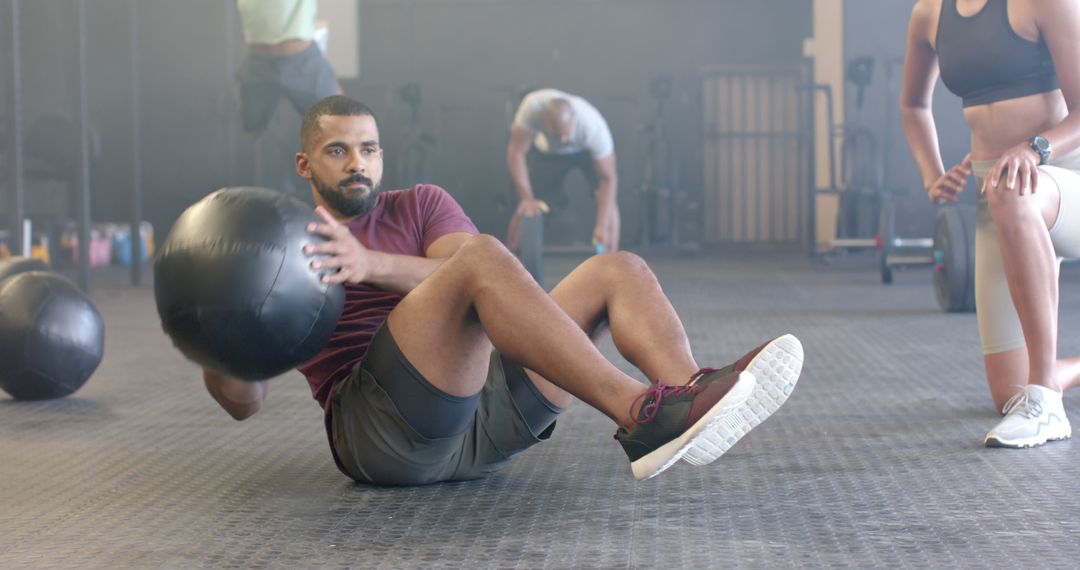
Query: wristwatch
x,y
1040,145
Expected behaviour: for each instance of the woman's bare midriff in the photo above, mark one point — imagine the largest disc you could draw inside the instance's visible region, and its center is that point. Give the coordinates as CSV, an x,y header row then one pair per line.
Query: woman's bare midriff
x,y
996,127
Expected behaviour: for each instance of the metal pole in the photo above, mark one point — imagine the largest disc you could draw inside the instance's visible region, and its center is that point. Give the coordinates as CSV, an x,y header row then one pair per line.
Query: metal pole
x,y
18,191
886,147
809,138
230,73
136,150
84,158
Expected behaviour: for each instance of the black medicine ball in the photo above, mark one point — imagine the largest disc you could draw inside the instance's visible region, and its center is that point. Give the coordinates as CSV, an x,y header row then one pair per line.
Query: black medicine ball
x,y
15,265
234,289
51,336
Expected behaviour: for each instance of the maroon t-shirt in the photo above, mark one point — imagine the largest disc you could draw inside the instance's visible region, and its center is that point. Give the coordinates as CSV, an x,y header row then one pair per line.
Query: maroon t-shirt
x,y
404,222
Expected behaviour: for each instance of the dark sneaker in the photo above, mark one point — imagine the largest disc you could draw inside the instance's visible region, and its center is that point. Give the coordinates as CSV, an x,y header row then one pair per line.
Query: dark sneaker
x,y
674,419
776,366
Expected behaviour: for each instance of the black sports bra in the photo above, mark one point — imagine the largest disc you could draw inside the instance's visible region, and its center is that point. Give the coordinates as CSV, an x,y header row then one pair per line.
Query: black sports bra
x,y
983,60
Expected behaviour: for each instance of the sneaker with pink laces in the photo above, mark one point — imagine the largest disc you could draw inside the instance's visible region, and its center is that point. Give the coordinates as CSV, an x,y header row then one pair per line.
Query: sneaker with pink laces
x,y
675,419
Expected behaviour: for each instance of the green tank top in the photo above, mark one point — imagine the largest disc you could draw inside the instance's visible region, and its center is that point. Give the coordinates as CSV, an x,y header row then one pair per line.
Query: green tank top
x,y
274,21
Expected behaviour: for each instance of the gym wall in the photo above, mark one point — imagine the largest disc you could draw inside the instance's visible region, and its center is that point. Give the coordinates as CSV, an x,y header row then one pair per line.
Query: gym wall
x,y
190,141
469,57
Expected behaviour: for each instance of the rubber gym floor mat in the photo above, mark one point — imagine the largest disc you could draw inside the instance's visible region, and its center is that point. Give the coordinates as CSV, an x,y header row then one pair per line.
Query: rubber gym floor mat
x,y
875,461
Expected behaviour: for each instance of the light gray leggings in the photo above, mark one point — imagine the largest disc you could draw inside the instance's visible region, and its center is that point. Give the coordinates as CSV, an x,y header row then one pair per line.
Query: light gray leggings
x,y
999,327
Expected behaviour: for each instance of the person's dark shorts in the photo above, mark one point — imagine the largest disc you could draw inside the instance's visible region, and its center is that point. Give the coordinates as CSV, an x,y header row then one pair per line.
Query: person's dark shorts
x,y
374,443
303,78
547,172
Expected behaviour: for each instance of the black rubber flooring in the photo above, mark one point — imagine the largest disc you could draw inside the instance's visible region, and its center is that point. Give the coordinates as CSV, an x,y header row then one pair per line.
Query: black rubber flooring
x,y
875,462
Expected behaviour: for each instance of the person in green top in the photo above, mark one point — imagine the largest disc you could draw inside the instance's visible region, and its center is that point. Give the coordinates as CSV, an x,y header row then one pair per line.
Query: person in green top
x,y
281,59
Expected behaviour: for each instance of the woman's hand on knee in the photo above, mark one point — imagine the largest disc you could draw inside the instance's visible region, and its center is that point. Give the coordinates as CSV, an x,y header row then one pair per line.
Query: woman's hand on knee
x,y
1016,171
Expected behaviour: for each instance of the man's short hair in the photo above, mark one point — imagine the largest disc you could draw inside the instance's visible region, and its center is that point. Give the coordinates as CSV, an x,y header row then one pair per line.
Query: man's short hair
x,y
333,106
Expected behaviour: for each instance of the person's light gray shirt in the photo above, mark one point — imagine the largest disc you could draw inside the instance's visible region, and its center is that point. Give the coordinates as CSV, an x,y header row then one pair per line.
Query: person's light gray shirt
x,y
590,129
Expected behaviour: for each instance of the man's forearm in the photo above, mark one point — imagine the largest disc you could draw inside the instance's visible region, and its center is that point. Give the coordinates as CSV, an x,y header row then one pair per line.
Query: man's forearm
x,y
605,192
400,273
605,198
519,175
240,398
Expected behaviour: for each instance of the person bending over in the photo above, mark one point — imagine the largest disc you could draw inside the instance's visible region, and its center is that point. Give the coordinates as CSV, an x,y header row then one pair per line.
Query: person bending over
x,y
412,389
1016,65
554,133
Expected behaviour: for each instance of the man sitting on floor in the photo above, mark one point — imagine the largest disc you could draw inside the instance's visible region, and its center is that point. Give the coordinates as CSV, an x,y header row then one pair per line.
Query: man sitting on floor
x,y
412,390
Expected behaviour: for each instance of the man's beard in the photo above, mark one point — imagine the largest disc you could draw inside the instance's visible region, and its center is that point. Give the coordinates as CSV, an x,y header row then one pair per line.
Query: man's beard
x,y
344,201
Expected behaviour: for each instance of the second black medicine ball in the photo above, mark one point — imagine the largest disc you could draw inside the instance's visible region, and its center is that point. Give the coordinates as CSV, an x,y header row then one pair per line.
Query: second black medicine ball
x,y
52,337
13,266
234,289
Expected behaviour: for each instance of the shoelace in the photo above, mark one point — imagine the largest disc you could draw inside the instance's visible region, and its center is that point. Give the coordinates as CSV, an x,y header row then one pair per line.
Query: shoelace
x,y
697,375
1024,405
658,392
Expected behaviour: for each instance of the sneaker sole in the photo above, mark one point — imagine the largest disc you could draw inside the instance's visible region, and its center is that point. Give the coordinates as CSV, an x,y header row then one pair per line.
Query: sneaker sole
x,y
992,441
777,368
654,463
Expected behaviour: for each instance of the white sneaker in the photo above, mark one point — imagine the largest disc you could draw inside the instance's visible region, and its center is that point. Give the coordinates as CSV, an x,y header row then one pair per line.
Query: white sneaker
x,y
1032,418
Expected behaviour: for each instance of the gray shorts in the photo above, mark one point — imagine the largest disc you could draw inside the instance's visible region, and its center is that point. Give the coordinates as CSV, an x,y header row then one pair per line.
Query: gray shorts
x,y
303,78
999,326
374,444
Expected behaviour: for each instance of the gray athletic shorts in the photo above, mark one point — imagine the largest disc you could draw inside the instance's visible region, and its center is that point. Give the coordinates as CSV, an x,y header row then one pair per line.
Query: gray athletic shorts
x,y
303,78
999,326
374,444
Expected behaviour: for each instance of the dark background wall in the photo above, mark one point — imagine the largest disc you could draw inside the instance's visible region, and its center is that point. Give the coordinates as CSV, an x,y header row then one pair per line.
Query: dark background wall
x,y
189,134
878,29
469,57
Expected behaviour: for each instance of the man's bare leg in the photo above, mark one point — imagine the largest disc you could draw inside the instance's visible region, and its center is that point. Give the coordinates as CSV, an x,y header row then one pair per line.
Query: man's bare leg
x,y
482,292
620,292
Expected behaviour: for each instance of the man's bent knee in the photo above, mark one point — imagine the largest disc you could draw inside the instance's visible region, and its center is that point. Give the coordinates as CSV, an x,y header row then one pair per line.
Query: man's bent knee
x,y
620,265
483,247
485,255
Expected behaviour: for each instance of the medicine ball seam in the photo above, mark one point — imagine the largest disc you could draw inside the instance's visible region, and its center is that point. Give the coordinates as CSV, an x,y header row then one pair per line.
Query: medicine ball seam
x,y
77,348
26,339
43,375
292,349
216,246
311,328
277,275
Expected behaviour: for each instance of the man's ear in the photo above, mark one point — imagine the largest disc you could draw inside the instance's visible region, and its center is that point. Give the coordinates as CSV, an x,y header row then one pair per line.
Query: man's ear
x,y
303,166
